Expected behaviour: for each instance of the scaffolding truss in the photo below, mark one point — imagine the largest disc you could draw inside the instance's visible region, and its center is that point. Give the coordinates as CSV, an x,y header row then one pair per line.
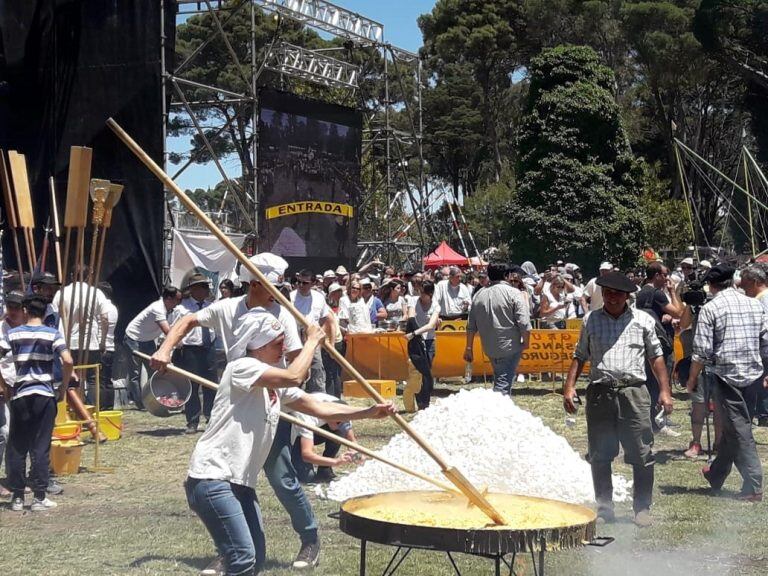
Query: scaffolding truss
x,y
312,66
391,149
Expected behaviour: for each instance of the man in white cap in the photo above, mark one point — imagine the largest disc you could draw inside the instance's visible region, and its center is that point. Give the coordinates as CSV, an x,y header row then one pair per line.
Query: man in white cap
x,y
222,316
592,298
329,277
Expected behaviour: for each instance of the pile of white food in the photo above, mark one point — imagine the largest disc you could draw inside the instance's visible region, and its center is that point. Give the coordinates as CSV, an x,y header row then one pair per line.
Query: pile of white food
x,y
492,442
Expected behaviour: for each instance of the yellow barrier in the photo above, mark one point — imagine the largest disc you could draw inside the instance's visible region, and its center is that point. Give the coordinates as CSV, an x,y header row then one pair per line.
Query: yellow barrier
x,y
385,355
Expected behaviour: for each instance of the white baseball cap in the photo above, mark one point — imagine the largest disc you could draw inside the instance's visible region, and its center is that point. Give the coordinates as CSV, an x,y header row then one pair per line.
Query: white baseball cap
x,y
334,287
341,271
686,261
705,264
329,274
606,266
271,265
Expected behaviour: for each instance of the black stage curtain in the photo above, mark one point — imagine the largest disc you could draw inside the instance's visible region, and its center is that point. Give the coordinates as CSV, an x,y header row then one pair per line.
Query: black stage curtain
x,y
66,67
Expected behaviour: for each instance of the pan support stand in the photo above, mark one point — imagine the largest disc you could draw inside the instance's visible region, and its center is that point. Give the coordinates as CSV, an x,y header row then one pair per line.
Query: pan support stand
x,y
504,564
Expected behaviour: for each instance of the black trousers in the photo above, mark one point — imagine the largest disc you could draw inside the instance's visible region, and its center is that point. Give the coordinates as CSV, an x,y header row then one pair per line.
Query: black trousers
x,y
106,388
200,360
32,420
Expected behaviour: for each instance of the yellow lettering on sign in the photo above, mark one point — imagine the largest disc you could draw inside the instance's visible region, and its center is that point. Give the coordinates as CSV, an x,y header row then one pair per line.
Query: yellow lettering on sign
x,y
309,206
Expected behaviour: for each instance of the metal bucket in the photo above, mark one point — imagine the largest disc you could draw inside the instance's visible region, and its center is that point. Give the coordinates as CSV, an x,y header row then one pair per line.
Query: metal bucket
x,y
157,391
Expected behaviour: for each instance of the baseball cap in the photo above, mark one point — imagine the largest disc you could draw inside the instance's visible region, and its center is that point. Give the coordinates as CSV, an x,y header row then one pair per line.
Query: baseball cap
x,y
606,266
686,261
329,274
333,287
341,271
271,265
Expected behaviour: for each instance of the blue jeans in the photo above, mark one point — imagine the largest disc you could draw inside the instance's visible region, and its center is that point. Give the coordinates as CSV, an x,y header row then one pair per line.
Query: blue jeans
x,y
284,480
505,372
232,517
134,369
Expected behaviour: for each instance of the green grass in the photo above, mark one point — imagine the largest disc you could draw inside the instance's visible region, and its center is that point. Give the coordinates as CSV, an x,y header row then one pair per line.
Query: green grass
x,y
136,521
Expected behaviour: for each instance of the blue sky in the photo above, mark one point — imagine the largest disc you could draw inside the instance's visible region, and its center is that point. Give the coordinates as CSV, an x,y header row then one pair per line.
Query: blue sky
x,y
400,29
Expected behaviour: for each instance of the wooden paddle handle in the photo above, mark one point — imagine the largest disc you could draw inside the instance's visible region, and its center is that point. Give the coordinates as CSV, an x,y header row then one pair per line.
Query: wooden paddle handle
x,y
274,292
330,435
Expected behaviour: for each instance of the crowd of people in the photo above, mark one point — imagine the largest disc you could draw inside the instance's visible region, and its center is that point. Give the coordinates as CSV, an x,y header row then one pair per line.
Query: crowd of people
x,y
254,348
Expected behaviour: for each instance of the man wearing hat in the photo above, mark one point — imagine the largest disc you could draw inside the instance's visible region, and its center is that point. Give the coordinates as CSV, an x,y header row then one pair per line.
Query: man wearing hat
x,y
731,344
46,284
617,341
197,353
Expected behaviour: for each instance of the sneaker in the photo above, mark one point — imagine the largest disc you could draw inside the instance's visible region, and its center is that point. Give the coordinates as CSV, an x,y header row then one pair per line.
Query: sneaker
x,y
694,451
191,429
215,568
42,505
308,556
667,431
54,488
17,505
643,518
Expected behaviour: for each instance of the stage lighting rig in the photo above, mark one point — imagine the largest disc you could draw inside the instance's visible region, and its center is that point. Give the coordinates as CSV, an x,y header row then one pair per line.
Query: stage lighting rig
x,y
312,66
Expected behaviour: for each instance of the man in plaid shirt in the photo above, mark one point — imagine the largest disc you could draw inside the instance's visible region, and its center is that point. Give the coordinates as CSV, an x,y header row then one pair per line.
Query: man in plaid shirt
x,y
731,343
617,341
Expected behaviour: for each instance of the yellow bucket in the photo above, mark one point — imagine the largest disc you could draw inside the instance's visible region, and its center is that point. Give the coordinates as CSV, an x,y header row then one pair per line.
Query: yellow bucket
x,y
65,456
66,431
73,416
111,424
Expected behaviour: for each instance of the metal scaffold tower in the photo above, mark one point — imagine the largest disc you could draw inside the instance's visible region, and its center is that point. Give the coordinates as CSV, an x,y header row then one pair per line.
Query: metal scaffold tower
x,y
394,204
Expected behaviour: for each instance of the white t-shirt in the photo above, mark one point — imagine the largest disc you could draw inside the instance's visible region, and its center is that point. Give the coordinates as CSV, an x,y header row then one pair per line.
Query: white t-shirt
x,y
244,418
221,316
145,327
395,309
558,314
195,336
357,314
451,298
79,304
423,316
298,431
595,293
314,306
109,339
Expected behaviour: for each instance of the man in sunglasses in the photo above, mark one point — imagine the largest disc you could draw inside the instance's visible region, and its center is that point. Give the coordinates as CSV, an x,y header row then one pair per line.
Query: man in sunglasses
x,y
312,305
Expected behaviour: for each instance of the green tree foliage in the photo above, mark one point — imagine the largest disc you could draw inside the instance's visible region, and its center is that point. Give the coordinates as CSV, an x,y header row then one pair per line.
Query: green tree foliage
x,y
579,184
484,35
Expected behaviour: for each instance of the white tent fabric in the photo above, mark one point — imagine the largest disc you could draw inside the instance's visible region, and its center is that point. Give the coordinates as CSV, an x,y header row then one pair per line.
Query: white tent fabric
x,y
203,250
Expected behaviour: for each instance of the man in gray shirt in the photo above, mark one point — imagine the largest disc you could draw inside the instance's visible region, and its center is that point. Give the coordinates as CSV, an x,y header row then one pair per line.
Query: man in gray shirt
x,y
500,314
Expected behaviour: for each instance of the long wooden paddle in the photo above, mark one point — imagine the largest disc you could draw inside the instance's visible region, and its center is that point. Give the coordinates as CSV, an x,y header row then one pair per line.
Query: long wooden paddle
x,y
450,472
325,433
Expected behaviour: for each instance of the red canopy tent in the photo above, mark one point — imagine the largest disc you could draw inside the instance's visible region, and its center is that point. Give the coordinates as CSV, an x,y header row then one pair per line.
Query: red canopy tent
x,y
444,255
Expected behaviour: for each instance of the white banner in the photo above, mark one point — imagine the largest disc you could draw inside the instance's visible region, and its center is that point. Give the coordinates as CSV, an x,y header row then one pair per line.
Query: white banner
x,y
202,250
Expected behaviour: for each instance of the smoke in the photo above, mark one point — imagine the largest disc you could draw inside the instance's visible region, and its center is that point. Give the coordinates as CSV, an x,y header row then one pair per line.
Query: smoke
x,y
664,554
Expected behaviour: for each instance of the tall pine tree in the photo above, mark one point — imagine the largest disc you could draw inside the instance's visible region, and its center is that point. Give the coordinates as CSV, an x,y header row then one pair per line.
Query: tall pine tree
x,y
579,184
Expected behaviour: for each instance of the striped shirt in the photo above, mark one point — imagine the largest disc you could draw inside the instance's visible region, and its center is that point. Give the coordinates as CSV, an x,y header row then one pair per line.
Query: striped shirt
x,y
732,338
34,349
617,348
